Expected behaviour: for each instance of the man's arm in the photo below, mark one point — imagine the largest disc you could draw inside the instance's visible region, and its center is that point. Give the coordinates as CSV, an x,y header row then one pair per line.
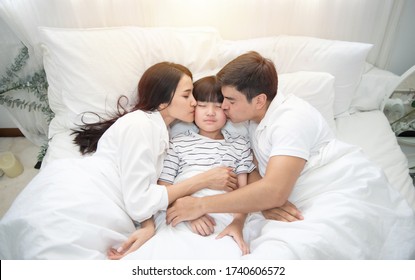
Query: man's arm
x,y
286,213
269,192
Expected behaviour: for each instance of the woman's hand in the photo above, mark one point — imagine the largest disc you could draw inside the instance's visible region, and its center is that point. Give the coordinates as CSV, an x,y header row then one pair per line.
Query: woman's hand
x,y
135,241
234,230
204,225
286,213
221,178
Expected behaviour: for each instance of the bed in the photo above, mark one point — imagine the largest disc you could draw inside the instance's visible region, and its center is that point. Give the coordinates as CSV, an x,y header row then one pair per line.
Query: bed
x,y
84,76
89,67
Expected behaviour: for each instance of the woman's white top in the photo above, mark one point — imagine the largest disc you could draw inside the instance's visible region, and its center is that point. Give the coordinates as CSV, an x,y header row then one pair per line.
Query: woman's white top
x,y
135,147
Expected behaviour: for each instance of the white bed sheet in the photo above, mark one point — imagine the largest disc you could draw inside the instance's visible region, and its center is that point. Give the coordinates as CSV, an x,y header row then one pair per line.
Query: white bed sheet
x,y
371,131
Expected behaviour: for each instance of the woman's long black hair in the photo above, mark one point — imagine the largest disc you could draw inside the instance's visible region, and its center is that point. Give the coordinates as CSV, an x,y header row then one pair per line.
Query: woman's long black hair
x,y
156,86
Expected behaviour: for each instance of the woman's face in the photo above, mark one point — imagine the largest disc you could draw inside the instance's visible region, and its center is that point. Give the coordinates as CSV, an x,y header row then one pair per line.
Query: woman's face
x,y
209,117
182,106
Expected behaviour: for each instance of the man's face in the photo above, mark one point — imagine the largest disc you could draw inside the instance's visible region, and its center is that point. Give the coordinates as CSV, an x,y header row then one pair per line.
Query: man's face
x,y
235,105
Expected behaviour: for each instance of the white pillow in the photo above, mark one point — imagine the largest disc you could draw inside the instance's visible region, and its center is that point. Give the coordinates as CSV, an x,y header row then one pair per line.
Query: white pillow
x,y
317,88
374,88
88,69
344,60
314,87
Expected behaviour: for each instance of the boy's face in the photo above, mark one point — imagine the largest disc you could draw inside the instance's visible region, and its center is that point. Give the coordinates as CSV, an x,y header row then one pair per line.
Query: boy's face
x,y
236,106
209,116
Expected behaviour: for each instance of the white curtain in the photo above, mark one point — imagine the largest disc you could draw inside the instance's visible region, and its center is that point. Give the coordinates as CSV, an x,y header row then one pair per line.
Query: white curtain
x,y
370,21
32,124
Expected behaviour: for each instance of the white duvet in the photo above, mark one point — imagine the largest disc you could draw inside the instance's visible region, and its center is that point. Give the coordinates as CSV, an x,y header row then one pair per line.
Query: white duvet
x,y
362,218
351,213
354,214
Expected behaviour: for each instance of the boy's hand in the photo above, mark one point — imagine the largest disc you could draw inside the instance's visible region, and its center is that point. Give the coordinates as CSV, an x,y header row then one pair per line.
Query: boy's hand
x,y
234,230
204,225
286,213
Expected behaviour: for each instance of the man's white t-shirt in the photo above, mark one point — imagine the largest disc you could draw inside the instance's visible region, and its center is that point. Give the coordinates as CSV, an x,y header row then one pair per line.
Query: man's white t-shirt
x,y
291,127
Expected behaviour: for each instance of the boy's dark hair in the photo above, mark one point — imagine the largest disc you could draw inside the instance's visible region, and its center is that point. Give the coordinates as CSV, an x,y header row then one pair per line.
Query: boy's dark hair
x,y
207,89
250,74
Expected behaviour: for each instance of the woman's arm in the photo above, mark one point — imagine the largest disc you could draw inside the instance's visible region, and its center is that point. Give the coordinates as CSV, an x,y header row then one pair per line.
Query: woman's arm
x,y
135,241
218,178
222,177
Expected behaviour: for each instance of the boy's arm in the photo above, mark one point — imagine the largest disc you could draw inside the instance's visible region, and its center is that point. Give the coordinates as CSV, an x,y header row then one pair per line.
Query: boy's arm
x,y
242,181
235,228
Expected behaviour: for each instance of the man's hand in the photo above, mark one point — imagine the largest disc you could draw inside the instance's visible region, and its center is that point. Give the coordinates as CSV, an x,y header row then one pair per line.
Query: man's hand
x,y
184,209
286,213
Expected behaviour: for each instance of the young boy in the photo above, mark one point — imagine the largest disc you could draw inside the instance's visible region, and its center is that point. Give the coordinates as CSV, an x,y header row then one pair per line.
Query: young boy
x,y
191,153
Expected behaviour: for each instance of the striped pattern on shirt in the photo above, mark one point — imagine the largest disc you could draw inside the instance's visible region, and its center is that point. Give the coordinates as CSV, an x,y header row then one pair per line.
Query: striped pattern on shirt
x,y
191,151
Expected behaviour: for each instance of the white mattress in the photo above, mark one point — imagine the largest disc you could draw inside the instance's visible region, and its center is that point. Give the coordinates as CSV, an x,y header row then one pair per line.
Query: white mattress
x,y
371,131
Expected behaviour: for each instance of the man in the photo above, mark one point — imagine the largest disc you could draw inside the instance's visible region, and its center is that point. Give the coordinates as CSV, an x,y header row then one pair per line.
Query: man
x,y
340,192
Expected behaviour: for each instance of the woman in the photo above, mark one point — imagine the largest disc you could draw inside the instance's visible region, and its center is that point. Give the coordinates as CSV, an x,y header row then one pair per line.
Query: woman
x,y
101,196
